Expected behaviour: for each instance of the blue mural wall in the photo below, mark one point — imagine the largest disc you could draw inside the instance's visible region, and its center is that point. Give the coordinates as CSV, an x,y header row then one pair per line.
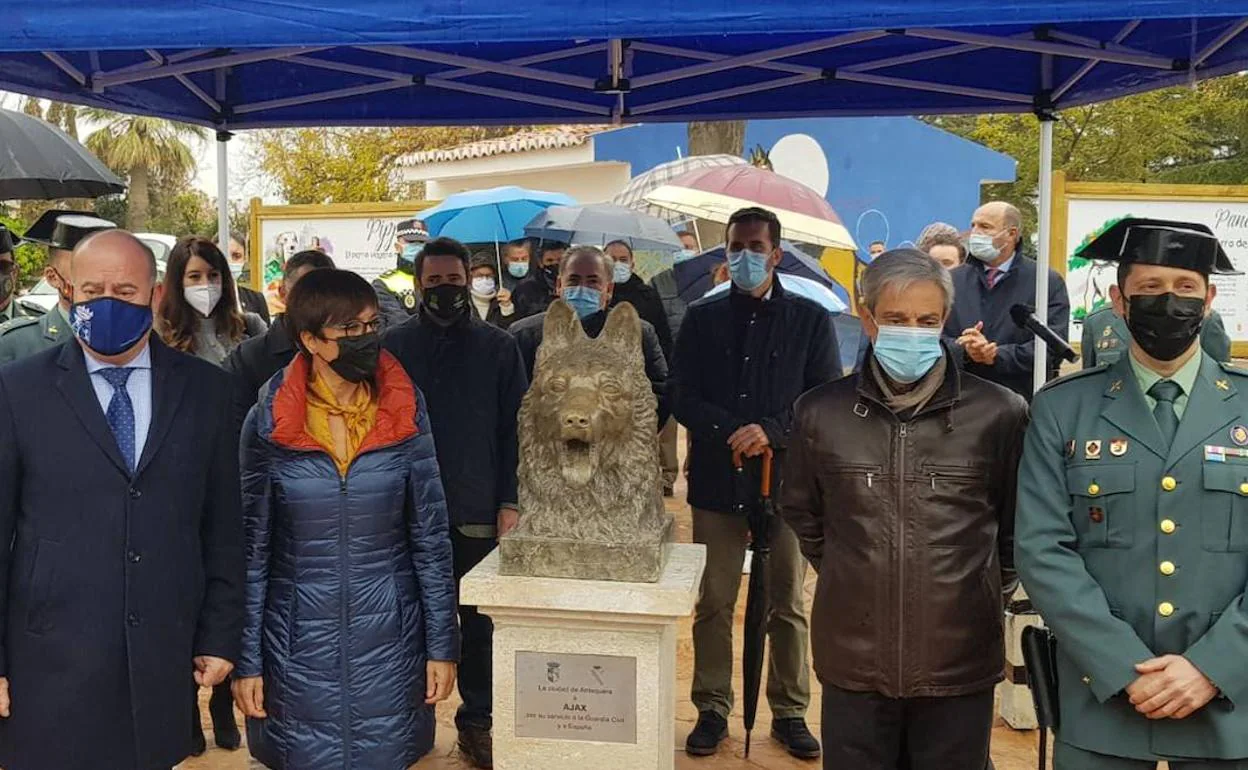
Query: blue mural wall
x,y
887,177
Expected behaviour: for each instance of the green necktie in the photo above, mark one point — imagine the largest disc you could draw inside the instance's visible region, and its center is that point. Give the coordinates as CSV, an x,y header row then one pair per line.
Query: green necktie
x,y
1165,392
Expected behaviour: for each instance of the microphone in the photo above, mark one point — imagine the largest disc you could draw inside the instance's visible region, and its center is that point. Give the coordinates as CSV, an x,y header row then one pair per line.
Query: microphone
x,y
1025,318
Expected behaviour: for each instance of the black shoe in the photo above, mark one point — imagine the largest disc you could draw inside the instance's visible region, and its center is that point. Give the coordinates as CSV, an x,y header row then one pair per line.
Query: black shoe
x,y
707,734
795,737
477,744
198,745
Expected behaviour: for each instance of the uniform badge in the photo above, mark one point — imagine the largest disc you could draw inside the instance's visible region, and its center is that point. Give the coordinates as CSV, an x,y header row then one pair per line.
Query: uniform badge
x,y
1092,450
1115,386
1070,448
1097,515
1239,435
1118,447
1223,385
53,330
409,301
1109,331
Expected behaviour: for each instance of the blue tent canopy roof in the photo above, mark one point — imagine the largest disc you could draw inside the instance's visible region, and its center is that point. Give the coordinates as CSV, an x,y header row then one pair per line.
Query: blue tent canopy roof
x,y
234,64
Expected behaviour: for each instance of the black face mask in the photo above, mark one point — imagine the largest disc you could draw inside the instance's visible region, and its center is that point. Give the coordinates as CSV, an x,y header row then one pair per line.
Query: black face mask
x,y
1165,325
357,357
550,273
446,303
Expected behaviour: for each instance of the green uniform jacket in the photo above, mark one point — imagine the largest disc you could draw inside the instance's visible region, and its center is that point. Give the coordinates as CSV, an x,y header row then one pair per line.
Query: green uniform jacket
x,y
1106,339
22,337
1130,551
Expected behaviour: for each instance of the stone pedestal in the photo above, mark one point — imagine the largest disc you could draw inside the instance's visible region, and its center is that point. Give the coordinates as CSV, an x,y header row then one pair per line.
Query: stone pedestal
x,y
585,670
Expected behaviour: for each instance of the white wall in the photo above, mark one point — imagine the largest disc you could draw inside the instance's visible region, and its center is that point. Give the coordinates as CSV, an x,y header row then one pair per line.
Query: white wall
x,y
593,183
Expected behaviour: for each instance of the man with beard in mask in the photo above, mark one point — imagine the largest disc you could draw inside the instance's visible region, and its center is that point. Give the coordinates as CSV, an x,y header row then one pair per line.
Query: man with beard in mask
x,y
535,293
10,308
398,292
121,516
473,377
60,231
1131,530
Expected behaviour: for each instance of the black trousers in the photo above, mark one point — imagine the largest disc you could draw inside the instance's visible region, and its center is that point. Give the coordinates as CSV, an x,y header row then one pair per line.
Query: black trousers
x,y
867,731
476,659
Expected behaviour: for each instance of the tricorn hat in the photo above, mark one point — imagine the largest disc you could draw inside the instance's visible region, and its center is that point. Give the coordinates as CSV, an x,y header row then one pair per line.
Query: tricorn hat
x,y
7,242
1186,245
411,231
64,228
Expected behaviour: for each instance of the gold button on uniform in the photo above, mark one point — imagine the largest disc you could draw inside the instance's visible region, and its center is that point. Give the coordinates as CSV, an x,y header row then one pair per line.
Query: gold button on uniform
x,y
1169,484
1168,526
1094,489
1167,568
1243,488
1165,609
1087,680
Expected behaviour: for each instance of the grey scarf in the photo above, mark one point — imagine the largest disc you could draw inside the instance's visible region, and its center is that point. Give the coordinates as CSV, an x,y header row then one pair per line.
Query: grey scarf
x,y
917,397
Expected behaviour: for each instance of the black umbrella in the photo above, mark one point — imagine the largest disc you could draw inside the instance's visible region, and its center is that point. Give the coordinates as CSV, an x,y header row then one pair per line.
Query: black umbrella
x,y
757,608
39,161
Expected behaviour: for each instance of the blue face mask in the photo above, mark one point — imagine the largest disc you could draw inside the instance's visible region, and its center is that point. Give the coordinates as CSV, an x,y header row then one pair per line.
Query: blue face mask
x,y
518,269
748,269
907,353
683,255
583,299
408,255
622,272
110,326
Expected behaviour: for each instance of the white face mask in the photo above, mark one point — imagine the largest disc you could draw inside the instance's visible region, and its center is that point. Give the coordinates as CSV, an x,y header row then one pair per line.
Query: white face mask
x,y
203,298
483,286
236,268
983,247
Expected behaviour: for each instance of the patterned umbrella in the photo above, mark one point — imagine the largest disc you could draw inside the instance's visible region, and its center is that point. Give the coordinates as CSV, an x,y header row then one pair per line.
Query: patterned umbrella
x,y
715,193
634,195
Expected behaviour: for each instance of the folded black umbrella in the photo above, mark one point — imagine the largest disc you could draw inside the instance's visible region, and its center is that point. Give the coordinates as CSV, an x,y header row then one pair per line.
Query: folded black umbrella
x,y
760,514
39,161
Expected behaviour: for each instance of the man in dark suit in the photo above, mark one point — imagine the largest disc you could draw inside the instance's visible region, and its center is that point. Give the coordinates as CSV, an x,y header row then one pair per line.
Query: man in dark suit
x,y
256,360
119,494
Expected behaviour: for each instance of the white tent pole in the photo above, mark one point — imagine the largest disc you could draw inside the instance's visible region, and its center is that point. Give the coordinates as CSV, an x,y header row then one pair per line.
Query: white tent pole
x,y
223,191
1041,368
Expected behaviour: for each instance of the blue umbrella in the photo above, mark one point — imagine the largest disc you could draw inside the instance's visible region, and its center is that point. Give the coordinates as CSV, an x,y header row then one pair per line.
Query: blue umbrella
x,y
602,223
693,276
485,216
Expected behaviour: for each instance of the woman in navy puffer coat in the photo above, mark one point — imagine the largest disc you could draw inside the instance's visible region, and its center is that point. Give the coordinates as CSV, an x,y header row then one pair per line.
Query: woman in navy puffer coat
x,y
349,583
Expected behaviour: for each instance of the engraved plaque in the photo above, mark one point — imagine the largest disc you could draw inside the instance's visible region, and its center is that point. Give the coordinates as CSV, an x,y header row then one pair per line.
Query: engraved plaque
x,y
573,697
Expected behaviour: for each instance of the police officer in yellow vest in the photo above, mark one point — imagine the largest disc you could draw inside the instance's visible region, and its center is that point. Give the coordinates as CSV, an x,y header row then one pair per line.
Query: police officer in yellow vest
x,y
1106,339
60,231
1132,523
398,296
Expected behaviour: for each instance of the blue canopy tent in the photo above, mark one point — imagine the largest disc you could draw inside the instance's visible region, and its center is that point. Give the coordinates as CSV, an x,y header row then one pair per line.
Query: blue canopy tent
x,y
237,64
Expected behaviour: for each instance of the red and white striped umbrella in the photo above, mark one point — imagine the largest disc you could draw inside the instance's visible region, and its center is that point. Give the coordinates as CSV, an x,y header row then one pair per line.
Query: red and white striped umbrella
x,y
715,193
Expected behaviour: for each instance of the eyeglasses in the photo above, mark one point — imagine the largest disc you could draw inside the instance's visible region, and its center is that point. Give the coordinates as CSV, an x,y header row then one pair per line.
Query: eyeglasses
x,y
360,328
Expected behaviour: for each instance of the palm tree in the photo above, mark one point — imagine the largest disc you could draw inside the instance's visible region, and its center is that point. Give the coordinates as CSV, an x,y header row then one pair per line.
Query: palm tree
x,y
142,149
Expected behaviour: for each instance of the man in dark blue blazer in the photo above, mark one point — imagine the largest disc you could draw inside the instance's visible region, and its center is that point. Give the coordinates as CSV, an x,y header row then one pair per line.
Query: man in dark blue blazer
x,y
121,579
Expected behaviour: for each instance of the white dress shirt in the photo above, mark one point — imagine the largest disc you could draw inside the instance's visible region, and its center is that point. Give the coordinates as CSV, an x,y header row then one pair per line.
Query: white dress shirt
x,y
139,386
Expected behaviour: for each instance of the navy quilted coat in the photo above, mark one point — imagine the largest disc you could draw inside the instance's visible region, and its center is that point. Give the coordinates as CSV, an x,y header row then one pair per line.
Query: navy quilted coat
x,y
349,582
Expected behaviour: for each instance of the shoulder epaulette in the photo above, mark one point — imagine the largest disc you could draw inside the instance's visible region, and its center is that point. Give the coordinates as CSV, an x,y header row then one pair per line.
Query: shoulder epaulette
x,y
17,323
1227,366
1075,376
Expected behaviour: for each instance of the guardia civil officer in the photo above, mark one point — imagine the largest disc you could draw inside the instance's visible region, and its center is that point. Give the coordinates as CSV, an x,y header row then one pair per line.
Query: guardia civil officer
x,y
397,294
10,308
60,230
1132,522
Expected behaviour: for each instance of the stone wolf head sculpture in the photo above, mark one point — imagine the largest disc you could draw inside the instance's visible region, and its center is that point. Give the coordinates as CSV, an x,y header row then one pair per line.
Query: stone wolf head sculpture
x,y
589,466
